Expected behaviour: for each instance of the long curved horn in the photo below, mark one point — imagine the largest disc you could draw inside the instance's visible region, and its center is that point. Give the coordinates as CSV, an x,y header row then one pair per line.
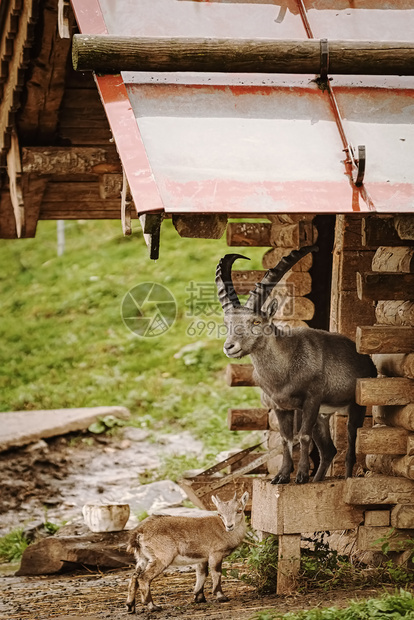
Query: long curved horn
x,y
226,293
263,289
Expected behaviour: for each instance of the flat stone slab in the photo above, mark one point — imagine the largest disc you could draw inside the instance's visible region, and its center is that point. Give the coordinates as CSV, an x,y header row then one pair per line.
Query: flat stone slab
x,y
19,428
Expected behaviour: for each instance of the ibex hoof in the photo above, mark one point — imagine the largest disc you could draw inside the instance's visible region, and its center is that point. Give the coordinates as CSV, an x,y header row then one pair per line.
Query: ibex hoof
x,y
223,599
199,598
280,479
130,608
302,478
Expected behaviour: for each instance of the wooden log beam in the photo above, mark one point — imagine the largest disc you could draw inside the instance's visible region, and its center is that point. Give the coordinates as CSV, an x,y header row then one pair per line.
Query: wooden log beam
x,y
248,419
246,460
294,284
200,225
378,490
385,391
289,564
397,415
404,225
382,440
377,518
112,54
379,230
239,375
370,538
399,259
389,312
384,339
274,256
399,365
389,465
256,234
375,286
70,160
402,516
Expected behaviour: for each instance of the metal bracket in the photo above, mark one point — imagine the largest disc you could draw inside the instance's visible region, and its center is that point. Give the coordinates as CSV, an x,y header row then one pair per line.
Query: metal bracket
x,y
324,59
358,166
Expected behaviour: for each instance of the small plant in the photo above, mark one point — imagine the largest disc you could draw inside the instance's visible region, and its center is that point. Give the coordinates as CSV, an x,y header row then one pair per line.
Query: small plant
x,y
12,546
52,528
104,424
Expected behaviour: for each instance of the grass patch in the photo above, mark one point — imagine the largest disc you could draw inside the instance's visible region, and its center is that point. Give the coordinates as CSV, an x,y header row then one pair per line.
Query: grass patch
x,y
12,546
63,342
395,606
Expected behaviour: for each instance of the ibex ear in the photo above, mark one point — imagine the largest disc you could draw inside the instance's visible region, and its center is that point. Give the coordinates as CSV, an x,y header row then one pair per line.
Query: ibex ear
x,y
244,498
271,308
214,500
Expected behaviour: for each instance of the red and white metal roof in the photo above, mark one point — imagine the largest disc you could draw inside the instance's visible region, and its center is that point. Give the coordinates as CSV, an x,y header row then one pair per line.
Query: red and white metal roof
x,y
258,143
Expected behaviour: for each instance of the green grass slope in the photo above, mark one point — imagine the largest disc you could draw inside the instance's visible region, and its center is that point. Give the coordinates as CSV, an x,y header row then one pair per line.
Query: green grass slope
x,y
63,342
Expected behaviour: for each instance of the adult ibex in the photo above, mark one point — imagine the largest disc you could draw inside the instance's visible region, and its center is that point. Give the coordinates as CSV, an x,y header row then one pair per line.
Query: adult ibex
x,y
161,541
309,370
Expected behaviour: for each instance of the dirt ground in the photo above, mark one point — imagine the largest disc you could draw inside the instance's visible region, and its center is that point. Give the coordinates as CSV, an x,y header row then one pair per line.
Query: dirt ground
x,y
102,595
52,480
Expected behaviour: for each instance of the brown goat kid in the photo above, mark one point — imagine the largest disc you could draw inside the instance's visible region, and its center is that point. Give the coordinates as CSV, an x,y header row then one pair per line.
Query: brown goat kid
x,y
161,541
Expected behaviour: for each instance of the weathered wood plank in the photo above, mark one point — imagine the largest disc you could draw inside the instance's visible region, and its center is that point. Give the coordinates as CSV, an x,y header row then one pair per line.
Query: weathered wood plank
x,y
398,365
399,313
239,375
104,210
371,538
112,54
381,490
402,516
397,416
289,563
382,440
377,285
389,465
385,391
252,234
293,509
377,518
398,259
385,339
247,419
70,160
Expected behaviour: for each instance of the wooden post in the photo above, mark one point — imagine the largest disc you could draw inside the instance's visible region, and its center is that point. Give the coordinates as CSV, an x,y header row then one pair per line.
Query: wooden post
x,y
112,54
289,563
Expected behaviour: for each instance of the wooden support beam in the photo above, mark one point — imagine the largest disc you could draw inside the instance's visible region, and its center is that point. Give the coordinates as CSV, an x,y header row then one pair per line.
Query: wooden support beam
x,y
14,170
390,465
378,490
399,313
63,19
385,391
293,235
112,54
293,284
404,225
293,509
248,419
385,339
200,225
246,460
370,538
274,256
249,234
397,415
288,564
382,440
377,286
398,365
127,206
151,228
399,259
73,160
402,516
377,518
239,375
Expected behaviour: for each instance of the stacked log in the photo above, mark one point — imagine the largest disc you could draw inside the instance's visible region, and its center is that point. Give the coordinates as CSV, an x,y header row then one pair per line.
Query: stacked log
x,y
389,445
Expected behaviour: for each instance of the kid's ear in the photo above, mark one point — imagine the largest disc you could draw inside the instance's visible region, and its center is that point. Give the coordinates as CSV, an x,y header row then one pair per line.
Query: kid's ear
x,y
271,308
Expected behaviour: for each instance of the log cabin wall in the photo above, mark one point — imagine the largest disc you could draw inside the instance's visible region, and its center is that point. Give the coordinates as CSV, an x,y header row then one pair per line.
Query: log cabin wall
x,y
55,138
